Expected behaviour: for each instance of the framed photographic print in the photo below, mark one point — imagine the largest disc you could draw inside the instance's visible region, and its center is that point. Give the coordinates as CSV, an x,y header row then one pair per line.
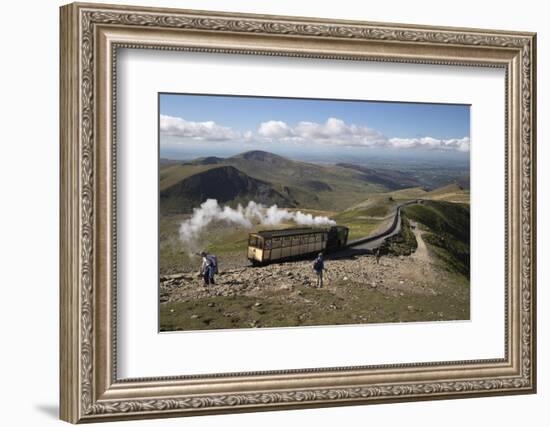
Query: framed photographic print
x,y
267,212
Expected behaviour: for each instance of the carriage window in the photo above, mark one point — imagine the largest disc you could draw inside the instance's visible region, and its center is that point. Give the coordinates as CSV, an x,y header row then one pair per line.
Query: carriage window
x,y
267,245
311,238
286,242
255,242
295,241
276,243
318,237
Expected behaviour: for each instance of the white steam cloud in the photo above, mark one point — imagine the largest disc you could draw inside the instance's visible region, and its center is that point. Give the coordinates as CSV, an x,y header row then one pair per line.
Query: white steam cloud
x,y
254,213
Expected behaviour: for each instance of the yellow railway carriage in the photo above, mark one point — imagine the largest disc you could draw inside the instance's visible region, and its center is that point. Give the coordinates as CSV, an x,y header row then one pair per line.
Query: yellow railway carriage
x,y
280,245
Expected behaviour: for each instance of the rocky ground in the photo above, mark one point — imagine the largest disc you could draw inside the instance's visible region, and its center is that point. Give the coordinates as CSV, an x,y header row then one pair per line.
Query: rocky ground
x,y
356,289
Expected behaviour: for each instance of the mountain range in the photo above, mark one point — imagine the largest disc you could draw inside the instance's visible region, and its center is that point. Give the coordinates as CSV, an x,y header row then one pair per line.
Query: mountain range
x,y
272,179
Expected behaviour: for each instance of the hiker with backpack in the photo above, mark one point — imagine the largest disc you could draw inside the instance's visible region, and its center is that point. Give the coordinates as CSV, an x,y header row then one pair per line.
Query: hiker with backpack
x,y
318,267
209,268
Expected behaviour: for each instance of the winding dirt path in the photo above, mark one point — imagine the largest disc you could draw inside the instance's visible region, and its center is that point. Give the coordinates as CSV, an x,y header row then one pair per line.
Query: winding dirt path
x,y
421,252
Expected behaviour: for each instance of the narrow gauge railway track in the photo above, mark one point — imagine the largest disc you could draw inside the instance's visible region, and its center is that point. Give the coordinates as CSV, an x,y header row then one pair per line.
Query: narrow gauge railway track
x,y
373,242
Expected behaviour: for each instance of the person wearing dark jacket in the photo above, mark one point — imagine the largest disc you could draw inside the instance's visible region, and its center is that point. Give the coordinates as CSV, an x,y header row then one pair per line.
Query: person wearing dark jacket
x,y
318,267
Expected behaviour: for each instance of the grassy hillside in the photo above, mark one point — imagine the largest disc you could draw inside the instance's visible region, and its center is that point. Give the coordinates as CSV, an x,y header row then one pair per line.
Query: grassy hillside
x,y
306,185
408,194
368,217
226,184
391,179
173,173
448,232
291,183
450,193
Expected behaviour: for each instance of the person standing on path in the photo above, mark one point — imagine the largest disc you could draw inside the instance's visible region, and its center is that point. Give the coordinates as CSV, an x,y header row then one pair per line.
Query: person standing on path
x,y
318,267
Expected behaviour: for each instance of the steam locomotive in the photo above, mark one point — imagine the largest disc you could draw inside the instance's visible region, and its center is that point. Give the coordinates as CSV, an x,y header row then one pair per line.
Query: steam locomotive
x,y
280,245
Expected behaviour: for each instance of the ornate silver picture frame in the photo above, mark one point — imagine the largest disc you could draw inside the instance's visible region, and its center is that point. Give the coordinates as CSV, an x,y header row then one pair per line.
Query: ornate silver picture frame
x,y
91,35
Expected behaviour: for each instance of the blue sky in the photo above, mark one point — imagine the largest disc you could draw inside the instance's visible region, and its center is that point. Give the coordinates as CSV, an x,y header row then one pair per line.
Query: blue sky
x,y
233,124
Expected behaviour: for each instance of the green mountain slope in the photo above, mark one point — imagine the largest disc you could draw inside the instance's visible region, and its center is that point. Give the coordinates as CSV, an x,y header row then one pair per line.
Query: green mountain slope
x,y
291,183
448,232
450,193
306,185
331,185
225,184
391,179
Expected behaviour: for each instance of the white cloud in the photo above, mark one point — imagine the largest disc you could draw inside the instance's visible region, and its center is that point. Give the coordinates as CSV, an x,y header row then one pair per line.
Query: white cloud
x,y
274,129
202,131
337,132
461,144
334,132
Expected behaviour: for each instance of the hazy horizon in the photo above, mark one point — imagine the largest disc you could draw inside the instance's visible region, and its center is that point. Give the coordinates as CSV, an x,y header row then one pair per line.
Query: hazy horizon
x,y
330,158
